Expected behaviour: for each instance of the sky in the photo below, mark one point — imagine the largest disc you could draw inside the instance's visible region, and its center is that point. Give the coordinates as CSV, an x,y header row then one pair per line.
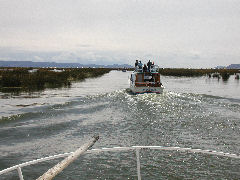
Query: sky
x,y
172,33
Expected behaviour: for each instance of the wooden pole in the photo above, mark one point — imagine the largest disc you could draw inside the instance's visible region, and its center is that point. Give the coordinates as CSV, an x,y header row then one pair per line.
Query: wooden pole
x,y
51,173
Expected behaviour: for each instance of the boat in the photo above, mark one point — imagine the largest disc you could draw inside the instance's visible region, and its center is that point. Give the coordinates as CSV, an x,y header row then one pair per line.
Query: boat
x,y
124,69
86,148
146,79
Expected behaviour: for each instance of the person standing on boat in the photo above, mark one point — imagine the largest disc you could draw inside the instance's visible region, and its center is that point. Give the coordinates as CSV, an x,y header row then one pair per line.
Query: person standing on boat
x,y
140,65
144,68
152,65
136,63
149,64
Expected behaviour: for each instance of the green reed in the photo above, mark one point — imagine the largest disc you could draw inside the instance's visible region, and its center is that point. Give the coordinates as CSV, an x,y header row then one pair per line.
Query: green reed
x,y
224,73
19,79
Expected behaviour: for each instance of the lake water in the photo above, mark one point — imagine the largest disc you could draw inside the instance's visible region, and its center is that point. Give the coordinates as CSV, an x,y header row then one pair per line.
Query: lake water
x,y
192,112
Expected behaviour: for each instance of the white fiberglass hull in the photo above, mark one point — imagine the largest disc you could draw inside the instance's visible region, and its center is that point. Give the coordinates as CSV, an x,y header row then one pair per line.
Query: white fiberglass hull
x,y
141,90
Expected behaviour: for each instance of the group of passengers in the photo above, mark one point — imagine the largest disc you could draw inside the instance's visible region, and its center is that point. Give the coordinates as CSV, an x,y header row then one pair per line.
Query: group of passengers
x,y
144,68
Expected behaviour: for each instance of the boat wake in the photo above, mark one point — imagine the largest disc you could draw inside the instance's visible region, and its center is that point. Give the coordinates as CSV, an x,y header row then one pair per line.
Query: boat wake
x,y
123,119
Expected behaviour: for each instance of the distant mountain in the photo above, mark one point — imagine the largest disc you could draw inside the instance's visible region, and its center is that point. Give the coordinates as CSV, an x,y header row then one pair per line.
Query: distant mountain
x,y
220,67
57,65
233,66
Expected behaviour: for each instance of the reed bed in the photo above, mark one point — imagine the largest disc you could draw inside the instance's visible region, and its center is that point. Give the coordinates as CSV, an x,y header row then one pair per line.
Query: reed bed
x,y
224,73
20,79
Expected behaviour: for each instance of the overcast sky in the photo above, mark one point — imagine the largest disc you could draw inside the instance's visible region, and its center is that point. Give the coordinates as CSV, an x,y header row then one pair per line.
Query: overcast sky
x,y
172,33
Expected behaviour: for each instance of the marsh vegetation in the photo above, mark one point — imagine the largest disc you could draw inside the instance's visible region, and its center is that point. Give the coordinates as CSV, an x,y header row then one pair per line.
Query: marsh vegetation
x,y
218,73
27,79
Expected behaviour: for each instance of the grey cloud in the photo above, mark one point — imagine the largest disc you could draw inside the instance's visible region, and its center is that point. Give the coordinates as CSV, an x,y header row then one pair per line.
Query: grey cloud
x,y
183,33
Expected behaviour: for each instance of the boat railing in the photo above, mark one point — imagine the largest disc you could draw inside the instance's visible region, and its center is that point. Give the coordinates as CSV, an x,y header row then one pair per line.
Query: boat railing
x,y
138,69
137,149
153,69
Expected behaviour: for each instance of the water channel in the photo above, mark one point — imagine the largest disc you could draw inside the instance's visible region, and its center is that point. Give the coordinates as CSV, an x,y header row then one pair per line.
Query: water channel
x,y
192,112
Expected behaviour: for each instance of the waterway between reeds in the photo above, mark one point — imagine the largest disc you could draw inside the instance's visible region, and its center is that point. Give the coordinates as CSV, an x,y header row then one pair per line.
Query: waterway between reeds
x,y
197,112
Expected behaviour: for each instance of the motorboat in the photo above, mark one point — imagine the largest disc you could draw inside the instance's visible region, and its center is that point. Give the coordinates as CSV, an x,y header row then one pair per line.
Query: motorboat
x,y
146,80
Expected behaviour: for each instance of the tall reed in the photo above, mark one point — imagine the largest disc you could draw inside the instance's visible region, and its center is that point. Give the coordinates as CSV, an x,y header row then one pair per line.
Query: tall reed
x,y
20,79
